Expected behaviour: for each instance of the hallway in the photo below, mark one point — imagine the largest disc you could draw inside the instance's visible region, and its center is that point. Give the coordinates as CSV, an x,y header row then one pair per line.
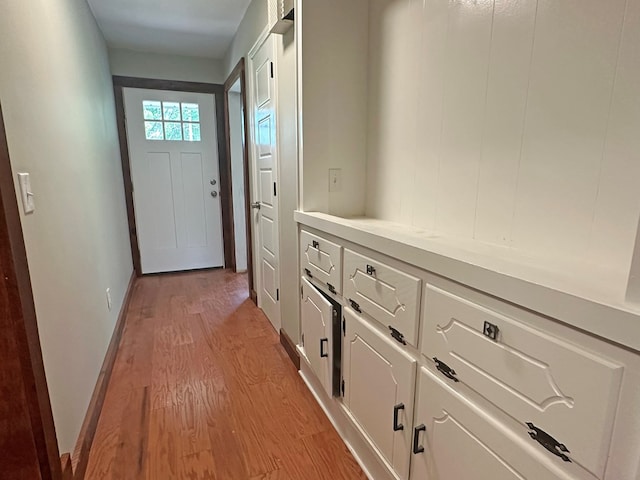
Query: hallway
x,y
202,389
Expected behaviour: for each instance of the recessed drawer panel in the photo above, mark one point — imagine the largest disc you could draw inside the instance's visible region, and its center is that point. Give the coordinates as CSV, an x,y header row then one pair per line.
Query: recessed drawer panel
x,y
321,259
390,296
569,392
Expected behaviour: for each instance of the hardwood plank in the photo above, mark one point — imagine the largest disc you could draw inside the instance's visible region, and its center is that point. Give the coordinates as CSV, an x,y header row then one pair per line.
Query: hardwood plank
x,y
202,389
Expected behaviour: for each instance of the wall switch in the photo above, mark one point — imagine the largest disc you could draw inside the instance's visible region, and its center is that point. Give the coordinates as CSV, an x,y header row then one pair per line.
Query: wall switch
x,y
335,180
25,192
109,299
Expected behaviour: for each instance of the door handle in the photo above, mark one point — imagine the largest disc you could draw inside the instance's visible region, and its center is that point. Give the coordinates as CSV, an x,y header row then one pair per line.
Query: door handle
x,y
214,194
213,182
322,343
396,410
256,205
417,448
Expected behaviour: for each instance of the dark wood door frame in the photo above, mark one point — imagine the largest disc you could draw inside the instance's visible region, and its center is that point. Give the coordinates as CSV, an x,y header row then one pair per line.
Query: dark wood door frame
x,y
19,321
239,72
119,83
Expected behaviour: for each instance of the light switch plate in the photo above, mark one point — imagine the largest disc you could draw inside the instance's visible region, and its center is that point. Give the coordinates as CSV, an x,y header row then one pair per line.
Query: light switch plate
x,y
335,180
25,192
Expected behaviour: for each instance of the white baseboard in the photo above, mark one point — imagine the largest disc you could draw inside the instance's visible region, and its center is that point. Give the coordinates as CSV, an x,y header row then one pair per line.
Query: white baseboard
x,y
364,453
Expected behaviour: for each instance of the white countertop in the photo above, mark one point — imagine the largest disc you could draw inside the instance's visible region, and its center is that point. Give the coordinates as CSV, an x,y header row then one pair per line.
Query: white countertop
x,y
586,296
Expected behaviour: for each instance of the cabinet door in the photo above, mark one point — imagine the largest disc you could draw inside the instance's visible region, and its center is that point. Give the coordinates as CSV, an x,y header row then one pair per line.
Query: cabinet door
x,y
555,385
317,344
389,295
379,388
455,439
322,260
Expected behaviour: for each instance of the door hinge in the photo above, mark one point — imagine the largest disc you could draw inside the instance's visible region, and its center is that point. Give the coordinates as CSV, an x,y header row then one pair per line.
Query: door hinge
x,y
331,288
272,73
277,294
397,336
342,387
275,192
445,369
355,306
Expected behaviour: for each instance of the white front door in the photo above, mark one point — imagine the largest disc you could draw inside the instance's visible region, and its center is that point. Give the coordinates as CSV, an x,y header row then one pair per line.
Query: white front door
x,y
173,152
265,177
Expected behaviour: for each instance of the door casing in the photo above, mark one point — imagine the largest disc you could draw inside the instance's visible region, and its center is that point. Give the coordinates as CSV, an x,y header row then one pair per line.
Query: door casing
x,y
119,83
239,72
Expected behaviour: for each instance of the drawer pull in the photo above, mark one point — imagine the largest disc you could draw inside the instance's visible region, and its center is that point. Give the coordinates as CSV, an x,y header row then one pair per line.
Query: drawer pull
x,y
323,354
397,336
371,270
490,330
331,288
308,272
548,442
396,410
316,244
417,448
355,306
446,370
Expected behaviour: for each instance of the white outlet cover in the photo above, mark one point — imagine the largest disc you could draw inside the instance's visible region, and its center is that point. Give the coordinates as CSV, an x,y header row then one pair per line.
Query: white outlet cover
x,y
335,180
28,204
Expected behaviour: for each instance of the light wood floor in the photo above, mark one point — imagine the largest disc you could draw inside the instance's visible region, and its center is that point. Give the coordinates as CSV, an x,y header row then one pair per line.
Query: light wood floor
x,y
202,389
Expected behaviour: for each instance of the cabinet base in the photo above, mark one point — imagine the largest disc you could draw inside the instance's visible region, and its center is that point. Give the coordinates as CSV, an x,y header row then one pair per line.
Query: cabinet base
x,y
366,456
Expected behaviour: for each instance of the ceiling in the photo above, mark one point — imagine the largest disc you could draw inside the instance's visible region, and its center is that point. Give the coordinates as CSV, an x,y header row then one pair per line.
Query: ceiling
x,y
201,28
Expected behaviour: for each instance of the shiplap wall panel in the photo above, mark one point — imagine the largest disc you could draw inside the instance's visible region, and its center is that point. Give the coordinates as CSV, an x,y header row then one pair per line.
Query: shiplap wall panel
x,y
435,21
394,50
503,124
524,123
465,92
572,76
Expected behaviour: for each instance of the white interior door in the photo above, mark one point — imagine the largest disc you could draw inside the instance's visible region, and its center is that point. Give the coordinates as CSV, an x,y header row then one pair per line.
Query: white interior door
x,y
173,152
265,164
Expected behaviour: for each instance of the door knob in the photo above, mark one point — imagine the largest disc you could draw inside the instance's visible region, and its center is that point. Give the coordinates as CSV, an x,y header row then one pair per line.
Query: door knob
x,y
213,182
256,205
214,194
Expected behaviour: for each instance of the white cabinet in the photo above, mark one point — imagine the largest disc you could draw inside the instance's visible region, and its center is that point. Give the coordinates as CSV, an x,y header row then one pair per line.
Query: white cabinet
x,y
456,439
389,295
321,259
543,380
379,390
317,342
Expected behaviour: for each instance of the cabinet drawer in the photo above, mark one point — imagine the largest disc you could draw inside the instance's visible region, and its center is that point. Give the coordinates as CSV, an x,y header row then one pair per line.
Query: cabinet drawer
x,y
389,295
569,392
455,438
321,259
379,389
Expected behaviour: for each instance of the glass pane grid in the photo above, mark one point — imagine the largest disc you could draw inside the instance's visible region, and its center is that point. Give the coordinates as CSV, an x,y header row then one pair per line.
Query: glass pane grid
x,y
181,121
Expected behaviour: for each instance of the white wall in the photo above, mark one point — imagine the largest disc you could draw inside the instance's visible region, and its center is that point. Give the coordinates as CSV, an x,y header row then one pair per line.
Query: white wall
x,y
129,63
57,96
333,96
510,122
288,180
236,135
251,26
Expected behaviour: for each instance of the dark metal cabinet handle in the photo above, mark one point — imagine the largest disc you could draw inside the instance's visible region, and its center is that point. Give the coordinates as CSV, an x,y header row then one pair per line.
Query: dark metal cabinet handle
x,y
396,410
548,442
316,244
417,448
371,270
322,343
